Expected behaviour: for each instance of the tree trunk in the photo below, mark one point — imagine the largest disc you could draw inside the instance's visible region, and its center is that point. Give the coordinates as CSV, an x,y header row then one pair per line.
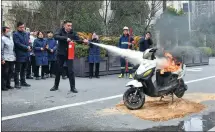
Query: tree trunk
x,y
164,5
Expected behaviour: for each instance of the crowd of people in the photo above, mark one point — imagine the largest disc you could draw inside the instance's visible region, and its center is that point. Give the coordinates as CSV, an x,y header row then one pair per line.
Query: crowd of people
x,y
24,53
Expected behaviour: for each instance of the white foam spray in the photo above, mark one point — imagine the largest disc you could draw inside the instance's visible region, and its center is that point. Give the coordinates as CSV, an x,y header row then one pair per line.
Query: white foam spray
x,y
134,57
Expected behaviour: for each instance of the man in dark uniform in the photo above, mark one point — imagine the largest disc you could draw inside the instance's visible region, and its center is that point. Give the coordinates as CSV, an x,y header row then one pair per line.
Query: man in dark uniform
x,y
65,35
125,42
145,42
22,50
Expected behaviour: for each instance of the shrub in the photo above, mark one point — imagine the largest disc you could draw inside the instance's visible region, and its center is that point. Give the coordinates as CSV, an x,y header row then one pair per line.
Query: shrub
x,y
206,50
83,51
110,40
213,53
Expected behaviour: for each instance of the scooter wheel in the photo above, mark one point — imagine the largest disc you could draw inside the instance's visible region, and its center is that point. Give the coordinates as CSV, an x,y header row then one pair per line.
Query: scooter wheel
x,y
179,92
132,101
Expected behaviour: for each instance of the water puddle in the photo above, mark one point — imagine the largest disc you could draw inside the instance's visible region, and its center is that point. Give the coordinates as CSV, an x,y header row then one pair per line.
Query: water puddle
x,y
195,123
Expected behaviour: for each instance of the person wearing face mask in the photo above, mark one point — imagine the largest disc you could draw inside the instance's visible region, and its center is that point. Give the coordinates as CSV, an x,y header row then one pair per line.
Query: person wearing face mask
x,y
52,46
145,42
94,56
41,55
22,50
7,58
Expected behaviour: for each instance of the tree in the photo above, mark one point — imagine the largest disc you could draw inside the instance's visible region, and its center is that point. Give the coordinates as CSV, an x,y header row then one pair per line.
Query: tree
x,y
83,14
135,14
20,13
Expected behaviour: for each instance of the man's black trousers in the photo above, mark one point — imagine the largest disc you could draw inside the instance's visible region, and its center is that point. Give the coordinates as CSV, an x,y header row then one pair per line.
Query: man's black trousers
x,y
59,64
7,73
20,70
31,66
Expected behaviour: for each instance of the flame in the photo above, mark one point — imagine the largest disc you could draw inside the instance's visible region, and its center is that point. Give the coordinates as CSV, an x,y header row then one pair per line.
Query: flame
x,y
172,64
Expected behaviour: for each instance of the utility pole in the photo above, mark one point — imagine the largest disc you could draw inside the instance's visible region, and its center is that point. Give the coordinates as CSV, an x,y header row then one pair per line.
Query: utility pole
x,y
189,20
158,39
176,36
205,40
164,5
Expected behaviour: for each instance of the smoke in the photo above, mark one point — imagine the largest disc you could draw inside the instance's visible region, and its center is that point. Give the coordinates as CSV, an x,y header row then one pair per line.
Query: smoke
x,y
174,29
135,57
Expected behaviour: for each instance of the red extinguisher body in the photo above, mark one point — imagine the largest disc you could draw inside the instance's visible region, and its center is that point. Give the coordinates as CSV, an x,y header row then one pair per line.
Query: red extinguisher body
x,y
71,50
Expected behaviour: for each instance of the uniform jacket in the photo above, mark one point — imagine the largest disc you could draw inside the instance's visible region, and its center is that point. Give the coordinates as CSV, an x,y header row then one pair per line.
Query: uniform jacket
x,y
52,43
61,35
94,53
123,41
7,49
41,57
21,43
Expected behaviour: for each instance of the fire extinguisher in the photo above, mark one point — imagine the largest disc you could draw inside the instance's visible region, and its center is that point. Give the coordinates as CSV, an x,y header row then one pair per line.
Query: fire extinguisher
x,y
71,50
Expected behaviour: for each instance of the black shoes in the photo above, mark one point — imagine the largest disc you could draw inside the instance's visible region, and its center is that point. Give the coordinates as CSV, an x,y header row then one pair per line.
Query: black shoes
x,y
25,84
17,86
54,88
43,78
9,87
37,78
74,90
29,77
64,77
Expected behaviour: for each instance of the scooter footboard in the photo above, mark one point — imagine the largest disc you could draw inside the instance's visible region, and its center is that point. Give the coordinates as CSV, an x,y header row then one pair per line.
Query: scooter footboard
x,y
134,83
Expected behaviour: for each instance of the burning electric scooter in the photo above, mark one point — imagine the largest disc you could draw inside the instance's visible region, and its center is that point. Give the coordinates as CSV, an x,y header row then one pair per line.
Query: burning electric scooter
x,y
169,76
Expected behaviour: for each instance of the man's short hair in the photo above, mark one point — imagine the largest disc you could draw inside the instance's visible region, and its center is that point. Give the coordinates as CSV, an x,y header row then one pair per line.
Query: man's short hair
x,y
19,24
67,21
49,32
4,29
148,32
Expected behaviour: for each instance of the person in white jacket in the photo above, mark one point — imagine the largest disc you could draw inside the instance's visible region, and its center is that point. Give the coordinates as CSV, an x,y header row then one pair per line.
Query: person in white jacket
x,y
32,63
7,58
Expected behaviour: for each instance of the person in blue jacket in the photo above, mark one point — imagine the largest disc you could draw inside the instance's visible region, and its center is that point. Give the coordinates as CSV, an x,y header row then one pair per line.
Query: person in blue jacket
x,y
41,55
52,46
125,42
22,50
94,56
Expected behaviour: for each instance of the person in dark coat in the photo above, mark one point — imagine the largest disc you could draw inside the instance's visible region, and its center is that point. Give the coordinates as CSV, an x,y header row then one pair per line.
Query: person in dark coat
x,y
52,44
94,57
125,42
145,42
65,35
41,55
22,51
7,59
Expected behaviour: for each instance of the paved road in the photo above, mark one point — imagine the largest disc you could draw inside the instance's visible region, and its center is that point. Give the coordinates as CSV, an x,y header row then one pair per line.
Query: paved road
x,y
38,109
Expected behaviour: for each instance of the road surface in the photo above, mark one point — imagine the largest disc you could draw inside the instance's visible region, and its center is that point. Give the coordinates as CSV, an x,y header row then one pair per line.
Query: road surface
x,y
38,109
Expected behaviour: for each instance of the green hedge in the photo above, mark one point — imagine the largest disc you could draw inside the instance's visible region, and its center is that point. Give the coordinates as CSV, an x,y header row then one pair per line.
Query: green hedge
x,y
207,50
82,50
